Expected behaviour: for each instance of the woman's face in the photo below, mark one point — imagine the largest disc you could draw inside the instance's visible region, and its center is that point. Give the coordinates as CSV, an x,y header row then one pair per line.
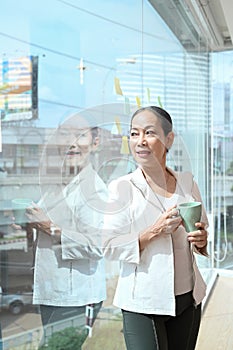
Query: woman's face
x,y
148,142
81,148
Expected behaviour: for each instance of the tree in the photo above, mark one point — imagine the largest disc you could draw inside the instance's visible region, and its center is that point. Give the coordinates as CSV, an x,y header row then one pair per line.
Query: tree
x,y
68,339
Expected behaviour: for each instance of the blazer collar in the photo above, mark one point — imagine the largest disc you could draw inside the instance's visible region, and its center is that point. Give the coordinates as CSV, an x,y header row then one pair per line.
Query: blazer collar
x,y
138,179
83,175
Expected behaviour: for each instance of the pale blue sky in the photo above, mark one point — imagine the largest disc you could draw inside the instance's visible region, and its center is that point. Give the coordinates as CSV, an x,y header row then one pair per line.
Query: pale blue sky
x,y
60,34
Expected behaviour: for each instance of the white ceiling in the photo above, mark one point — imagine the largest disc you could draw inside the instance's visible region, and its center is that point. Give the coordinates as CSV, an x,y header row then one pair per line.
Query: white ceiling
x,y
225,23
218,15
199,24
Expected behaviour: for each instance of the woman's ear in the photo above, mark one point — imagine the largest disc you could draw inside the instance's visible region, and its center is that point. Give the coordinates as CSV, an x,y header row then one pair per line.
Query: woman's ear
x,y
169,139
96,143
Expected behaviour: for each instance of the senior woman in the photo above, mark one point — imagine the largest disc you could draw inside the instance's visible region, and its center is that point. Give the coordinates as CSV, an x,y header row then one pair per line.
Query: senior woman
x,y
160,288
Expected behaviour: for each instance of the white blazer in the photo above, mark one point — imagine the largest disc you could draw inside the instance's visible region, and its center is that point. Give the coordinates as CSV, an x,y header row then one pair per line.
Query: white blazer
x,y
146,280
71,271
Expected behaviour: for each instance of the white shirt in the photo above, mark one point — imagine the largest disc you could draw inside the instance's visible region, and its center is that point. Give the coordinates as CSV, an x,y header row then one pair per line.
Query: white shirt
x,y
182,255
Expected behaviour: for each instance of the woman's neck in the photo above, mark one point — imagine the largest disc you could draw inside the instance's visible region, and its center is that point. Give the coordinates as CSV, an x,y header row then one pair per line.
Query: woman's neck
x,y
161,181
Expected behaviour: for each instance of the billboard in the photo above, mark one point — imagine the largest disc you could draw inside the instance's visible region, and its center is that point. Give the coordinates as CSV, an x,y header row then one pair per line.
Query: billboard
x,y
19,88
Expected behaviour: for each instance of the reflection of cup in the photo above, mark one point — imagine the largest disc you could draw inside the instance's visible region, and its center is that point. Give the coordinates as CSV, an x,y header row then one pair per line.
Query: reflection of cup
x,y
19,206
190,213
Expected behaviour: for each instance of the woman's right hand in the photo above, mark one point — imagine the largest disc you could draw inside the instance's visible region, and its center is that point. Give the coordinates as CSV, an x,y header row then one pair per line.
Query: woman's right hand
x,y
167,223
40,221
38,218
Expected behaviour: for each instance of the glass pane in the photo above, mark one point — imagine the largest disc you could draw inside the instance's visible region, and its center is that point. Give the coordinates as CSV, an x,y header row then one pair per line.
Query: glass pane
x,y
60,58
222,159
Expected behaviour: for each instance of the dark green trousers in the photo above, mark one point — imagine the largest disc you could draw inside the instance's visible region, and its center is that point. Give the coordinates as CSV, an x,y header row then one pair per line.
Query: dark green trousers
x,y
155,332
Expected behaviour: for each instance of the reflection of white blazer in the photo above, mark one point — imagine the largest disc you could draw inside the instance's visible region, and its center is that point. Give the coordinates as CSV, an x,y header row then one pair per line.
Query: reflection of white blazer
x,y
146,281
71,272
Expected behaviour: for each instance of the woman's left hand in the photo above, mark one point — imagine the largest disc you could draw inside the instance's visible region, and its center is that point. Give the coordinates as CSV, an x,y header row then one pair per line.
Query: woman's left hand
x,y
199,237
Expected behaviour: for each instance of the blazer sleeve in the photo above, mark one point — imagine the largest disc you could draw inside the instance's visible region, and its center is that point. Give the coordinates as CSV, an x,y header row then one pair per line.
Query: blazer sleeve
x,y
119,241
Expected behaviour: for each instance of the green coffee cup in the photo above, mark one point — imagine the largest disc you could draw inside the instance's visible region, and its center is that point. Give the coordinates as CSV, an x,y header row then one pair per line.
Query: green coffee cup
x,y
19,206
190,213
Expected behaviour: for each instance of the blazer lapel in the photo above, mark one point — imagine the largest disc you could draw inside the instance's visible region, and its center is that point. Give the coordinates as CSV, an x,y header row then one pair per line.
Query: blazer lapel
x,y
139,181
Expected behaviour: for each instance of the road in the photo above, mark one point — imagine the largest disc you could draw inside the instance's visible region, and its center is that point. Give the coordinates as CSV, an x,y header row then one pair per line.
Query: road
x,y
13,324
26,330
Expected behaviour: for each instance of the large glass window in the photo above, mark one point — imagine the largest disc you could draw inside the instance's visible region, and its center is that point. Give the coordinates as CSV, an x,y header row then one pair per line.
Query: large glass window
x,y
100,59
222,159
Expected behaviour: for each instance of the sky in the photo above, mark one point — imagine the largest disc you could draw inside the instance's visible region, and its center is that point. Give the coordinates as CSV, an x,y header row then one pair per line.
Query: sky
x,y
61,32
